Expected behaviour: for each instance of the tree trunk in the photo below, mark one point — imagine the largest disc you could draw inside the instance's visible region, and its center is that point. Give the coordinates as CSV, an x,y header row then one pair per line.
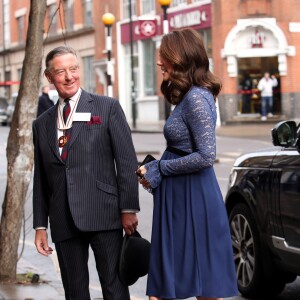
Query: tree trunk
x,y
19,145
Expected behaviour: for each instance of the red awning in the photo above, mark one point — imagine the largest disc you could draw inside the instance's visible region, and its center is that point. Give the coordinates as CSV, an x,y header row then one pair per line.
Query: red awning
x,y
8,83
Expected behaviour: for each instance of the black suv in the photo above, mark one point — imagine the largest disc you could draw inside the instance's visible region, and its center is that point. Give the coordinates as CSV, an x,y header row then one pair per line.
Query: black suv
x,y
263,205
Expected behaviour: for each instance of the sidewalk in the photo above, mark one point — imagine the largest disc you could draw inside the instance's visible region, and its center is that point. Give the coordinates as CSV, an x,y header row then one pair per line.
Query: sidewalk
x,y
49,286
39,291
235,128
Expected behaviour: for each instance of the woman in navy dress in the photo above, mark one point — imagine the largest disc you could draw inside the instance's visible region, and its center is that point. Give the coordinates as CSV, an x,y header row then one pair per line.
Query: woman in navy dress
x,y
191,252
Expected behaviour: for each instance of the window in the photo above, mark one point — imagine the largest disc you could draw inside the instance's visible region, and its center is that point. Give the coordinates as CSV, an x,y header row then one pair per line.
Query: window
x,y
52,19
126,5
21,36
6,24
149,67
7,76
69,14
88,12
88,74
20,73
177,2
148,6
127,59
206,36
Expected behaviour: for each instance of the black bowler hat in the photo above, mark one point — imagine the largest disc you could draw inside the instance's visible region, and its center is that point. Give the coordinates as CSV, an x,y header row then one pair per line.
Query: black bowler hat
x,y
134,258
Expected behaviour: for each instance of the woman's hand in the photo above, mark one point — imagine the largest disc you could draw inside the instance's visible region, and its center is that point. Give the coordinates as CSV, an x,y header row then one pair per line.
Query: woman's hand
x,y
141,171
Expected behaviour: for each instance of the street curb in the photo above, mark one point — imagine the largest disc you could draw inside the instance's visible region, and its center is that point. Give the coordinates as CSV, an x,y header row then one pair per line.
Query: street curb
x,y
146,131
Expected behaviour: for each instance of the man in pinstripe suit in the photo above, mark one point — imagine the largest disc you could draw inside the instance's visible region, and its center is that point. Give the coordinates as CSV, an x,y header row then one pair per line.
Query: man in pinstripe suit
x,y
90,195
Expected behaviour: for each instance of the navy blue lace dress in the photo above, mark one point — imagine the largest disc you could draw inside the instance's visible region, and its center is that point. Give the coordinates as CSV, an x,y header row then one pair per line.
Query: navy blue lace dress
x,y
191,253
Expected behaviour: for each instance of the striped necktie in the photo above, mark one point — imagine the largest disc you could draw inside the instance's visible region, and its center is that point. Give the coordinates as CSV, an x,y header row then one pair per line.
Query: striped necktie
x,y
67,133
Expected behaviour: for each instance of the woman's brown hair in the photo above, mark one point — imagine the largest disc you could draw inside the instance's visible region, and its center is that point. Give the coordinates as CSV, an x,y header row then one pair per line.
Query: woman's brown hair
x,y
185,51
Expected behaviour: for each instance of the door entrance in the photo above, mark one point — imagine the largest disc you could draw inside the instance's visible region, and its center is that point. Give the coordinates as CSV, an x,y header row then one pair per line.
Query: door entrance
x,y
250,71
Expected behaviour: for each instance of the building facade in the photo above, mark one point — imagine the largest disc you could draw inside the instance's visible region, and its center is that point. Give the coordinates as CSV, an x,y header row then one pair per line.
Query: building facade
x,y
69,22
77,23
251,37
138,38
247,37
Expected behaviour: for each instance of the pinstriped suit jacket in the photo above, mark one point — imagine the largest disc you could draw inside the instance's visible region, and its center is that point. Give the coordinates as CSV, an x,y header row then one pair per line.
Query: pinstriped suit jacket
x,y
97,181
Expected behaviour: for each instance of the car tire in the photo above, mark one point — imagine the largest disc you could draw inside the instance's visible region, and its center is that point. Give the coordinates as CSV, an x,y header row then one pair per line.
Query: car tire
x,y
246,244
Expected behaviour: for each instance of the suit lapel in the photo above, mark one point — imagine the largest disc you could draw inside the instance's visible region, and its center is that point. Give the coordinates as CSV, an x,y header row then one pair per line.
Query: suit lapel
x,y
84,105
52,130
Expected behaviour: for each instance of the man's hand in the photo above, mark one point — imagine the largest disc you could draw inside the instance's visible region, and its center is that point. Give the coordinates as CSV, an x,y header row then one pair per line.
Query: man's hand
x,y
129,222
41,242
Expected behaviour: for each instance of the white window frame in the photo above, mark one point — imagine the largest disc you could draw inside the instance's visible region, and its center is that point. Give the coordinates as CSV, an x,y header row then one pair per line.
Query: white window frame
x,y
150,4
89,74
176,3
125,8
154,71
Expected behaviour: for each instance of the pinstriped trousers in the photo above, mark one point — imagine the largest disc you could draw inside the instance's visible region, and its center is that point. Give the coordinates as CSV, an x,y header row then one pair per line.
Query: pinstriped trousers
x,y
73,260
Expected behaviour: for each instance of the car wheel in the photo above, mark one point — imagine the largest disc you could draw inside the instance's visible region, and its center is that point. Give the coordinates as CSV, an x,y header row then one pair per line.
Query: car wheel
x,y
247,255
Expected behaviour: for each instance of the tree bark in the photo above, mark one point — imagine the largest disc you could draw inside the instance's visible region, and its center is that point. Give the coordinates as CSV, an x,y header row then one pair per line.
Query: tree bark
x,y
19,150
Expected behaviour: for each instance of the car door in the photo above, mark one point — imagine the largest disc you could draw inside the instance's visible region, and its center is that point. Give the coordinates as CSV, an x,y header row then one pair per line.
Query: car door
x,y
288,161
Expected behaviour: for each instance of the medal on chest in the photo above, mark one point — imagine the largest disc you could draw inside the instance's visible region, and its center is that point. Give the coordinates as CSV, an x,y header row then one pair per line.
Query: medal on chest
x,y
62,141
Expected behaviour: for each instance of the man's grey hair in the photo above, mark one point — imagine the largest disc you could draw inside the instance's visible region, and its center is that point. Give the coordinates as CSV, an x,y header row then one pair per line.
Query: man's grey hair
x,y
61,50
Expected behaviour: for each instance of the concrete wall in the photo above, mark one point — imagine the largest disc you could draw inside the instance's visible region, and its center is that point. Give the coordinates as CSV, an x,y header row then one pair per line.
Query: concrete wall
x,y
290,105
228,105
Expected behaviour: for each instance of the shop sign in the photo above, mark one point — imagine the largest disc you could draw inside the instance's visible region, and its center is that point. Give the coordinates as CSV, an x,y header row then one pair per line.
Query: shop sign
x,y
141,30
147,28
196,17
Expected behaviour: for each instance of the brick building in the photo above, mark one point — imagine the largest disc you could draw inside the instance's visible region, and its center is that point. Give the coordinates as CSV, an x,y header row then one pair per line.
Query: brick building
x,y
147,31
255,36
245,36
66,22
78,23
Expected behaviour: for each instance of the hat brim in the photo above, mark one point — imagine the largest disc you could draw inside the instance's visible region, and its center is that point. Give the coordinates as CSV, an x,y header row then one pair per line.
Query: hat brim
x,y
134,258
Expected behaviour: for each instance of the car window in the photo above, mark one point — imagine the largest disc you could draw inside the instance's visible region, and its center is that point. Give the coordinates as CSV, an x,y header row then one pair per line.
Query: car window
x,y
3,103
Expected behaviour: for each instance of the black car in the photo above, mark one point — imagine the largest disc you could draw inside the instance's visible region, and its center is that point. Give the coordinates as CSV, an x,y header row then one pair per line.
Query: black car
x,y
3,110
263,205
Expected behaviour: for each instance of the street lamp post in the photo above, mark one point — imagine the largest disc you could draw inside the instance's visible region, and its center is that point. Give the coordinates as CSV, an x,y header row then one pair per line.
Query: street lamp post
x,y
108,19
133,96
165,4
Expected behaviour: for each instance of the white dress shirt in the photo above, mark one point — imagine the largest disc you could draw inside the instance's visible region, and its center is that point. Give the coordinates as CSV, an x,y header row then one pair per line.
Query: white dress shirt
x,y
73,105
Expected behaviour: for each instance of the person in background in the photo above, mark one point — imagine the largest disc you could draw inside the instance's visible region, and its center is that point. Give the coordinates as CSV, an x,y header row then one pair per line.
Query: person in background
x,y
246,85
44,102
265,86
84,180
191,252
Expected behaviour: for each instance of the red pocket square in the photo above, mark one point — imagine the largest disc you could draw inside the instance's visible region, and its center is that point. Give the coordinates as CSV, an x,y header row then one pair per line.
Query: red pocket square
x,y
94,120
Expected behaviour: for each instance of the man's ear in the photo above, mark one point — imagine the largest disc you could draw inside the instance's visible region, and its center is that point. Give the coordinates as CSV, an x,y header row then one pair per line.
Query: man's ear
x,y
49,77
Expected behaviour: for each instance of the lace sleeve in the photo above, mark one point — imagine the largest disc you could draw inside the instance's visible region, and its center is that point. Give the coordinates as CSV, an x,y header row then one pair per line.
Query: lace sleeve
x,y
153,175
200,117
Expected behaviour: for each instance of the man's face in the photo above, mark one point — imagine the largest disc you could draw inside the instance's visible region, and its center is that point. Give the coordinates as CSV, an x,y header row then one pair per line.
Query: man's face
x,y
63,72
